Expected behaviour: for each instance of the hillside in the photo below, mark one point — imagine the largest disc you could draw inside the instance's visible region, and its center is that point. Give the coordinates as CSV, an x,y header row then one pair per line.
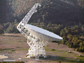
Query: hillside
x,y
54,11
58,12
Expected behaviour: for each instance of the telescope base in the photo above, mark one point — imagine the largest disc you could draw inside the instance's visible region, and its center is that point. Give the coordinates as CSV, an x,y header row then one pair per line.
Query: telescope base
x,y
36,49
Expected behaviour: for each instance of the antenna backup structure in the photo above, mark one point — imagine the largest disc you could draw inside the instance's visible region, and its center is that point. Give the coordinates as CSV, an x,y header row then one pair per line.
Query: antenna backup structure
x,y
37,37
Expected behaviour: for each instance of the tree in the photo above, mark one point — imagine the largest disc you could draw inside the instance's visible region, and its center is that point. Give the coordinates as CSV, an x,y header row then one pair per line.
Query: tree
x,y
62,33
75,38
1,29
12,28
69,36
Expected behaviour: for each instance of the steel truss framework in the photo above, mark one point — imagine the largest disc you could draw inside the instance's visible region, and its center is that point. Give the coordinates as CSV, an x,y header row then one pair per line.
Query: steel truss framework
x,y
36,45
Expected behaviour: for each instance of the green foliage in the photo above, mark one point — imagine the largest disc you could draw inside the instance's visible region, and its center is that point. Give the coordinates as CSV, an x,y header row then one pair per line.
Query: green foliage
x,y
19,6
54,11
62,33
10,27
81,3
72,37
13,62
53,49
59,61
51,27
1,29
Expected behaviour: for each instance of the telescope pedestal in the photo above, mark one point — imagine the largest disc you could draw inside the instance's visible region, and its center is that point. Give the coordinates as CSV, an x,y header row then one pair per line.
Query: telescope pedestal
x,y
36,49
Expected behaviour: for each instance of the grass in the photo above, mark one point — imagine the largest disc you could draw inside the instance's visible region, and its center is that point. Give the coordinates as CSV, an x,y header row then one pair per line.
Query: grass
x,y
10,50
64,54
62,58
73,62
47,49
14,62
51,50
18,42
81,58
60,52
22,49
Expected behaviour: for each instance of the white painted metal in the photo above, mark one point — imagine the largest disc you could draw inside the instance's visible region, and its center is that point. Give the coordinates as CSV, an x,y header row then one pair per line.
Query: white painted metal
x,y
37,37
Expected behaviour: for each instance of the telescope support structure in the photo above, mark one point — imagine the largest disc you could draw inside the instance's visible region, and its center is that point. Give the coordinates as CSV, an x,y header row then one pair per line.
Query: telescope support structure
x,y
36,48
37,38
36,45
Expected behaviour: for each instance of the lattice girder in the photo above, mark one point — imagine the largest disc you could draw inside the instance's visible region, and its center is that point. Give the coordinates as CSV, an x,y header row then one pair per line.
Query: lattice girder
x,y
36,48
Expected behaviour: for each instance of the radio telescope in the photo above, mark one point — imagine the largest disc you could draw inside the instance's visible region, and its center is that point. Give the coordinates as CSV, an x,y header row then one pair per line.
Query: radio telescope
x,y
37,37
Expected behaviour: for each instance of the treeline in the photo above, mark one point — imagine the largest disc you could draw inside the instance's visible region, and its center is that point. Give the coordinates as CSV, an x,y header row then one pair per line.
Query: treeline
x,y
11,27
73,37
55,28
1,29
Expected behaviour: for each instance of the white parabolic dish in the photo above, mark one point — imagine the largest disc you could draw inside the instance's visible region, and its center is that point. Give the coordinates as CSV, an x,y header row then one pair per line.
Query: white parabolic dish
x,y
43,34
